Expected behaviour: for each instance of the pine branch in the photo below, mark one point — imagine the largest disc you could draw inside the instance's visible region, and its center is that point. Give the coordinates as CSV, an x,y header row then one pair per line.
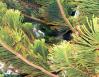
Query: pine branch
x,y
34,6
35,19
25,60
64,16
42,21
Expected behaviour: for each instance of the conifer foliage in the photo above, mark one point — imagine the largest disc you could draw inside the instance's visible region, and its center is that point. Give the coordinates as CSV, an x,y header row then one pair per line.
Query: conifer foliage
x,y
78,57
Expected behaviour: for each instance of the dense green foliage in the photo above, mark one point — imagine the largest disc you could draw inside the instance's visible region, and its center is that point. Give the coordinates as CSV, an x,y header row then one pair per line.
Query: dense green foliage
x,y
78,57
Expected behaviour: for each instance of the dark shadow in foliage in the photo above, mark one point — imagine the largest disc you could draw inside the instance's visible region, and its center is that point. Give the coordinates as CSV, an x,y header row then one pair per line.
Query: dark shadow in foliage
x,y
67,36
